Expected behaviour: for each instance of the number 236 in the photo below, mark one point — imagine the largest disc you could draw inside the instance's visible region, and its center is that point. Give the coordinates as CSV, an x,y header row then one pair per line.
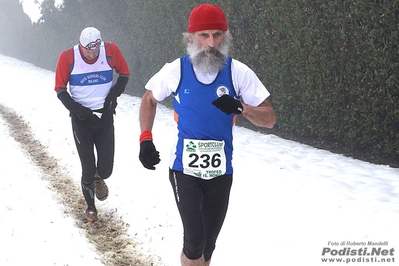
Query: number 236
x,y
205,160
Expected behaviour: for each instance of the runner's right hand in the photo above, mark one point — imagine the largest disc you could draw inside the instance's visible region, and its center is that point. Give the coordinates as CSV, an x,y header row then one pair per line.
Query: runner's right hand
x,y
148,155
83,113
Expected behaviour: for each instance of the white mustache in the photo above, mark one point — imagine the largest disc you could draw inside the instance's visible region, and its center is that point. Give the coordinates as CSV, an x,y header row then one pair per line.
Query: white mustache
x,y
207,64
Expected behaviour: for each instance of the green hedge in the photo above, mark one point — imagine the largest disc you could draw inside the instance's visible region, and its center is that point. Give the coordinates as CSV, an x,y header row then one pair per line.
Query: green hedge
x,y
331,66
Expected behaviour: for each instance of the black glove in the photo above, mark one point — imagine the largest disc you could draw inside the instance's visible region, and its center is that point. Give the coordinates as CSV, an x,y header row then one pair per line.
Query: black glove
x,y
83,113
148,156
228,104
110,102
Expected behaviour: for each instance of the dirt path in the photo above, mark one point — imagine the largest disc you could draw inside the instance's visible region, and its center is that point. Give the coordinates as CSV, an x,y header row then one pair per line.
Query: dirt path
x,y
109,234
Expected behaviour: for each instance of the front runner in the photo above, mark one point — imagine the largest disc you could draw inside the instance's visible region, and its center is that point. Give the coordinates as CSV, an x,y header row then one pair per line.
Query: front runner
x,y
206,85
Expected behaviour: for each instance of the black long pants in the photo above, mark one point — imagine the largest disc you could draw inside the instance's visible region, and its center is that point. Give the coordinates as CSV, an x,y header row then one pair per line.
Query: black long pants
x,y
94,138
202,206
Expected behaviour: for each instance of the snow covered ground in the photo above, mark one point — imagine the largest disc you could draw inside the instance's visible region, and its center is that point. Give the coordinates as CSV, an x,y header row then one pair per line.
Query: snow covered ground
x,y
289,201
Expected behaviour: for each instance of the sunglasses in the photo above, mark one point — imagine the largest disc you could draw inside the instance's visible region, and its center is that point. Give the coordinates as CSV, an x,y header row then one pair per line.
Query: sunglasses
x,y
93,45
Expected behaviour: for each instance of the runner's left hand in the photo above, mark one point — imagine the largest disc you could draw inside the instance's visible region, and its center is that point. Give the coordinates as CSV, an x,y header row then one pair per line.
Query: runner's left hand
x,y
110,103
228,104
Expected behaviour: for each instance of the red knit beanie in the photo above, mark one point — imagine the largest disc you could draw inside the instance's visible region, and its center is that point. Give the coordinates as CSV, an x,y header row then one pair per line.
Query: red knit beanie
x,y
207,17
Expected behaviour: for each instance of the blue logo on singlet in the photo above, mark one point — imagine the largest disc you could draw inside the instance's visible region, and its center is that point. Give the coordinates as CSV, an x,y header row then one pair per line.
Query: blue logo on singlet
x,y
94,78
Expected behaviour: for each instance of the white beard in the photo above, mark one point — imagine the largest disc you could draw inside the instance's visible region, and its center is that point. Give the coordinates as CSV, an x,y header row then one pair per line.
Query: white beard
x,y
205,64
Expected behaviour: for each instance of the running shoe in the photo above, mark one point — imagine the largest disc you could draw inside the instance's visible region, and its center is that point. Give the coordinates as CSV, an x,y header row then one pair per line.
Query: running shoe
x,y
101,189
90,215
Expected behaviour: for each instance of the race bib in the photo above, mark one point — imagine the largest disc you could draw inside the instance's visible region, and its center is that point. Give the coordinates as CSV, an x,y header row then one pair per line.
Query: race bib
x,y
204,158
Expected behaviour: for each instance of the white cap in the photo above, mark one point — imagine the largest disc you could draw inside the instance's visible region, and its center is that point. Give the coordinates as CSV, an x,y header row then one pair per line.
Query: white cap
x,y
90,38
